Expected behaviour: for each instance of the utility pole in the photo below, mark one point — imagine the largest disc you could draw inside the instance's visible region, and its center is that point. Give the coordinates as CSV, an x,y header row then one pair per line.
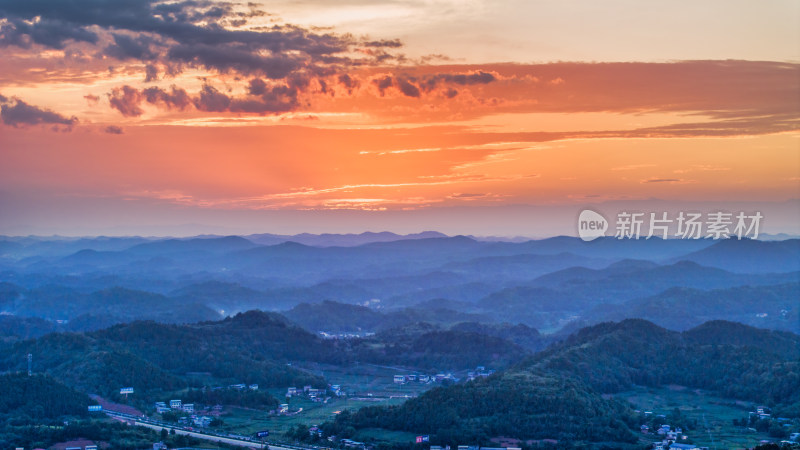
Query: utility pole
x,y
713,444
30,363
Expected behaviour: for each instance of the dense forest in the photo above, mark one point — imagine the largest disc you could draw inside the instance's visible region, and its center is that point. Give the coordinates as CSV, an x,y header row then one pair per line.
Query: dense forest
x,y
517,404
742,362
424,346
39,397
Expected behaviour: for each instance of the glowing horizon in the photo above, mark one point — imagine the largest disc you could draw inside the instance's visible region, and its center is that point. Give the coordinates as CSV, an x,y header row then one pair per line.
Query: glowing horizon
x,y
233,114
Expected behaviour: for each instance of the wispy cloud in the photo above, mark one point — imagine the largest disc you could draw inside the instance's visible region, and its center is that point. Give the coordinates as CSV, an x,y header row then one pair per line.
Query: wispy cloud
x,y
668,180
702,168
632,167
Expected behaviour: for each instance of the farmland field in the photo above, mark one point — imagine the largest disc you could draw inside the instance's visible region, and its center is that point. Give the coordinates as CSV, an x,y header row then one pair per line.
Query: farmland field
x,y
714,415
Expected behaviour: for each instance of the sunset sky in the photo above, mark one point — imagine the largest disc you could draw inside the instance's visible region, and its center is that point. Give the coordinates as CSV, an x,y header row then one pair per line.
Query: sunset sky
x,y
464,116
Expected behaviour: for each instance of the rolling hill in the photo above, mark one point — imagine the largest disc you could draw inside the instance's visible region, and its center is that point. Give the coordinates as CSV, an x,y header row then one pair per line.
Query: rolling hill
x,y
555,394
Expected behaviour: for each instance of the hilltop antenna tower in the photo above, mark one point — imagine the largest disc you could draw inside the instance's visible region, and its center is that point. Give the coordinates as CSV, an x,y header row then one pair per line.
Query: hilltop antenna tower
x,y
30,363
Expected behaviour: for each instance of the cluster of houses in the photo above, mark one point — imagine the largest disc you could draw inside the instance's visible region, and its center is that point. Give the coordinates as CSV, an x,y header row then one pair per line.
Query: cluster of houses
x,y
686,447
424,379
762,412
765,413
241,387
189,408
351,335
349,443
315,431
174,405
669,438
315,395
201,417
77,447
472,447
479,372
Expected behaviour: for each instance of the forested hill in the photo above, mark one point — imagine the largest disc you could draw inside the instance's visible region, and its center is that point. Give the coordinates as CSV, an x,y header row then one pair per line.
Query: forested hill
x,y
253,347
720,332
734,360
39,397
517,404
562,386
424,346
248,348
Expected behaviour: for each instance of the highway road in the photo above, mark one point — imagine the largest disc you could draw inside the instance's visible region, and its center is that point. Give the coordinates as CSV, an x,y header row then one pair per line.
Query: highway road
x,y
241,441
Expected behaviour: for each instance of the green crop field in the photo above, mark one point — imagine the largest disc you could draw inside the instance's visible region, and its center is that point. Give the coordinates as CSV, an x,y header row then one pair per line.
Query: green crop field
x,y
384,435
247,421
361,379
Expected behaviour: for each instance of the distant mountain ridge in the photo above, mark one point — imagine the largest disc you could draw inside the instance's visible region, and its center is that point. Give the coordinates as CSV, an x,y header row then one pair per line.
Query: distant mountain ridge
x,y
339,240
545,284
750,256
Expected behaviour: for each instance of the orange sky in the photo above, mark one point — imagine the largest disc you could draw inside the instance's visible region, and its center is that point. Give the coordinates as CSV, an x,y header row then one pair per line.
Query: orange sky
x,y
230,116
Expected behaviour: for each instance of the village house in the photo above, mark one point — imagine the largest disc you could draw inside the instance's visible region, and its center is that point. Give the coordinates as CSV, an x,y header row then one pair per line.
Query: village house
x,y
683,447
202,421
162,407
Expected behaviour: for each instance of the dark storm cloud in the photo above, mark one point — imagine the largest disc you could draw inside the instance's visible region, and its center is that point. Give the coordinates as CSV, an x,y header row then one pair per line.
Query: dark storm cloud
x,y
262,98
404,85
270,99
176,98
275,102
383,83
412,86
53,33
127,100
68,20
348,81
463,79
131,47
210,99
113,129
190,32
257,86
16,113
151,73
385,43
238,58
407,88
